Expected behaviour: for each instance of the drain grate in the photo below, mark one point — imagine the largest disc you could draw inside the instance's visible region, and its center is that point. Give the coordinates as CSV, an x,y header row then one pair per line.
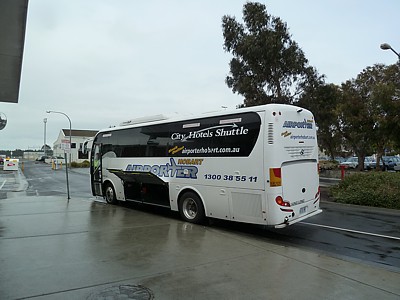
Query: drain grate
x,y
135,292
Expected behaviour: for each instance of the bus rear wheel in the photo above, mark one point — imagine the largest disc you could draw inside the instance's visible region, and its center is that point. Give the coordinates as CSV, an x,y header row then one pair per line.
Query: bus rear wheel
x,y
109,194
191,208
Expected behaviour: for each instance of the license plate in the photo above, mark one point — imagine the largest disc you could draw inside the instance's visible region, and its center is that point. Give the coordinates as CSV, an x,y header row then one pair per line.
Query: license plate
x,y
303,209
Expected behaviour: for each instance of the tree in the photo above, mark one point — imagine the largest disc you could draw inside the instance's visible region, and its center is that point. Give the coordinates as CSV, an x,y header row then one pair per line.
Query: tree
x,y
355,121
380,86
322,99
267,65
363,115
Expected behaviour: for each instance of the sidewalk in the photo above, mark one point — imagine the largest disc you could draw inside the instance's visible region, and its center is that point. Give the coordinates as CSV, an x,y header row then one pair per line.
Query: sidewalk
x,y
82,249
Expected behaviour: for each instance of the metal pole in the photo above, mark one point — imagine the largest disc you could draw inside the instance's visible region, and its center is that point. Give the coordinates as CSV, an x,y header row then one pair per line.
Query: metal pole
x,y
70,147
66,173
44,147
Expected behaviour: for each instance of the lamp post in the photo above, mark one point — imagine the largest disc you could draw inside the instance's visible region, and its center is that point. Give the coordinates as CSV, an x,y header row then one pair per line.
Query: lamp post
x,y
70,131
44,147
386,46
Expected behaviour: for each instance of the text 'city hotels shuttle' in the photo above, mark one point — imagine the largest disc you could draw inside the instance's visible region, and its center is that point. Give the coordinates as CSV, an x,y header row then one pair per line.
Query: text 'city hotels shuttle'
x,y
255,165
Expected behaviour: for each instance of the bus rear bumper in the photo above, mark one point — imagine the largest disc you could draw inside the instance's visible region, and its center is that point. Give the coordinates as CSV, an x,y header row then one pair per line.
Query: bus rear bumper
x,y
314,213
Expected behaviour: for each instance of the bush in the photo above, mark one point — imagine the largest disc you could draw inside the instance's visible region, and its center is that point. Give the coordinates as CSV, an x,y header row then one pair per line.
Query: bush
x,y
328,165
74,164
84,164
378,189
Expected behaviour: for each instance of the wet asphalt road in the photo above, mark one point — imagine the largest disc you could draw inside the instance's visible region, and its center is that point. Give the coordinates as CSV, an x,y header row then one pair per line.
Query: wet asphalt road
x,y
356,233
44,181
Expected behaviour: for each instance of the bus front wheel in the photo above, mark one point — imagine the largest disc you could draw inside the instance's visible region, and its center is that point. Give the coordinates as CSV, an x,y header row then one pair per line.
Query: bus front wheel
x,y
109,194
191,208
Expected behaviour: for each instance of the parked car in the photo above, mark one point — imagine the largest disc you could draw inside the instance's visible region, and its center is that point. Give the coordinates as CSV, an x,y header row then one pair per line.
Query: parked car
x,y
369,162
42,158
58,159
340,159
391,162
388,163
54,159
351,162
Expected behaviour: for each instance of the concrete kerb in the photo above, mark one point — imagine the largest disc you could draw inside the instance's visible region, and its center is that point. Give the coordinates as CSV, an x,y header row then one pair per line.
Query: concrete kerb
x,y
21,184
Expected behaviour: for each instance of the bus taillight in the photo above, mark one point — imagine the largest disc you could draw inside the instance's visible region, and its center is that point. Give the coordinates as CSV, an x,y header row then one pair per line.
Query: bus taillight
x,y
279,200
275,177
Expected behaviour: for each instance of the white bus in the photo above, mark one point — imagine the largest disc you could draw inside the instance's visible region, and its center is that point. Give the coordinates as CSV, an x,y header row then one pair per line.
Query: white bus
x,y
254,165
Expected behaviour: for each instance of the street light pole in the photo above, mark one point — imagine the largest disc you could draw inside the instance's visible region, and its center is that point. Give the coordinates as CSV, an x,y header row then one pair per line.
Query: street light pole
x,y
386,46
70,146
44,147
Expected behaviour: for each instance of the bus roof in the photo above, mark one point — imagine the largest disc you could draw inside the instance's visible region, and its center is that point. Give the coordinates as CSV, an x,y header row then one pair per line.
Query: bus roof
x,y
161,118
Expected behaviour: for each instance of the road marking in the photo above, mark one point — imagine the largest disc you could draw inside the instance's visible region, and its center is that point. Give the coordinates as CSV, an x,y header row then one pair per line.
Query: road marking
x,y
353,231
4,182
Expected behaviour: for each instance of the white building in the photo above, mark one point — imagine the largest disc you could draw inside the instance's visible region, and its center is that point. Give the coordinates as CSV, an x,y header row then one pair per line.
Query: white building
x,y
78,137
32,155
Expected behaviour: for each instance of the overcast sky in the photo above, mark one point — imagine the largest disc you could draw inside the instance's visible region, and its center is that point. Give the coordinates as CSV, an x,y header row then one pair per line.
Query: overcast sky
x,y
106,61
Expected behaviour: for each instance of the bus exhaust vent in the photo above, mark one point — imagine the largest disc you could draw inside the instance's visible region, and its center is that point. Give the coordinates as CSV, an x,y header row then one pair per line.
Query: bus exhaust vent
x,y
271,133
300,151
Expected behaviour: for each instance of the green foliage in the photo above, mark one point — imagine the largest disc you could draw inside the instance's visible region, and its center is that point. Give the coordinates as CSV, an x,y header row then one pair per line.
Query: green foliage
x,y
361,116
378,86
268,66
322,99
369,110
13,153
328,165
378,189
84,164
74,164
356,122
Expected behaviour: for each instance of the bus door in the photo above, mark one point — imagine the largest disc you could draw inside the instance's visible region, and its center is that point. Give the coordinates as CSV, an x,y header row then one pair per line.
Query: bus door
x,y
96,173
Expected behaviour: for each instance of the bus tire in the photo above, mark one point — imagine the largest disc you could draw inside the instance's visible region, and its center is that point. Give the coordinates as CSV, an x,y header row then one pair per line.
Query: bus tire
x,y
191,208
109,194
